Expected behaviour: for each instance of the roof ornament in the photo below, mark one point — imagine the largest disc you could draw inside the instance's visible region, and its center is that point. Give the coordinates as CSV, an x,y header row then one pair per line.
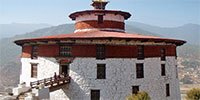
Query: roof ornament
x,y
99,4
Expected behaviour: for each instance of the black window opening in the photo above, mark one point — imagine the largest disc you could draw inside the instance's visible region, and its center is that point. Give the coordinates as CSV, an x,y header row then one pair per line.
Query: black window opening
x,y
163,70
163,56
139,70
167,90
65,70
101,71
135,89
34,70
140,52
176,71
100,52
65,51
34,52
176,56
95,94
100,19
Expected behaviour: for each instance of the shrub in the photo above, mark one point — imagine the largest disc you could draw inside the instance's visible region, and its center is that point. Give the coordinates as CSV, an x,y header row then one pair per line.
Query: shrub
x,y
193,94
139,96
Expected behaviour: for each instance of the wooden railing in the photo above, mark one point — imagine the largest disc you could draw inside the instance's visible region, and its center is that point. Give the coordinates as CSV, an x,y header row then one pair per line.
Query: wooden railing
x,y
52,81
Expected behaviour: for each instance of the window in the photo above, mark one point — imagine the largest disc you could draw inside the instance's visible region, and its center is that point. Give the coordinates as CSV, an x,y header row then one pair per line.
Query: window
x,y
176,71
34,70
140,52
163,58
163,69
34,53
167,90
176,54
95,94
65,50
139,70
135,89
101,71
100,52
100,19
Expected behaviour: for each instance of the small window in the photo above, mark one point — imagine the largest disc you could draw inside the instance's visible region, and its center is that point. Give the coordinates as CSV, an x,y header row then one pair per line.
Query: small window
x,y
34,53
176,71
100,19
163,73
163,56
34,70
139,70
95,94
167,90
176,54
65,50
100,52
101,71
135,89
140,52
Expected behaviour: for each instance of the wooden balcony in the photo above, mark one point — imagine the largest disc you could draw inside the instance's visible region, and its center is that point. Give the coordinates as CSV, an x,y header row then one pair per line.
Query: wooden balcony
x,y
55,81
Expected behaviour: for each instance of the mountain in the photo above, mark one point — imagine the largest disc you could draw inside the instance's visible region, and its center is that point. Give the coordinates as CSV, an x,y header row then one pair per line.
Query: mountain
x,y
9,30
10,52
189,32
133,29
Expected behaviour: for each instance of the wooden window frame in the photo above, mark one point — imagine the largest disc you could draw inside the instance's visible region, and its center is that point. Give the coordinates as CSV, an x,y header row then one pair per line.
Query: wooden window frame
x,y
167,90
163,70
135,89
65,50
163,54
140,55
101,71
34,52
100,19
100,51
95,93
139,70
34,70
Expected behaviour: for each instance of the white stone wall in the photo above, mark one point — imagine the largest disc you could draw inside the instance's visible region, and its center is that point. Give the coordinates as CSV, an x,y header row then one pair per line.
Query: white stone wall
x,y
120,77
46,68
110,17
95,29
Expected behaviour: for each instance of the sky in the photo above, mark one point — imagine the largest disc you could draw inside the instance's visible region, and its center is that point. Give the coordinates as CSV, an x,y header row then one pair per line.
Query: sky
x,y
164,13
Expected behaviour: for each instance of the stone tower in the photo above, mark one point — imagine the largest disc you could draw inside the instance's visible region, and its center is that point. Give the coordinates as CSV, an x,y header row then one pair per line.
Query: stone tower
x,y
100,61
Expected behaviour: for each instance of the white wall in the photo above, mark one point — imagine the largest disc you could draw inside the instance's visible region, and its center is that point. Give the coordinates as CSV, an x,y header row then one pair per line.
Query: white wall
x,y
46,68
110,17
120,77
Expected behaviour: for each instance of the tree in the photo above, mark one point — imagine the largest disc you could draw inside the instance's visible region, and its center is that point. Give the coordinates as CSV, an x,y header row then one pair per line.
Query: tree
x,y
193,94
139,96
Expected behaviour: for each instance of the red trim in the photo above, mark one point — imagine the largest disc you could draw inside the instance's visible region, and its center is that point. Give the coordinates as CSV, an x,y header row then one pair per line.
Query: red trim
x,y
26,51
94,24
111,51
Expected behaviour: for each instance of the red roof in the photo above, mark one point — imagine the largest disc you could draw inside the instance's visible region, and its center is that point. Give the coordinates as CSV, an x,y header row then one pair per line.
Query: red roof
x,y
101,35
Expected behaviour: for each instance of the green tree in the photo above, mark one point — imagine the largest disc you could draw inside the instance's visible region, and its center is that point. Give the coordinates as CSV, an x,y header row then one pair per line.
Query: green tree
x,y
193,94
139,96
